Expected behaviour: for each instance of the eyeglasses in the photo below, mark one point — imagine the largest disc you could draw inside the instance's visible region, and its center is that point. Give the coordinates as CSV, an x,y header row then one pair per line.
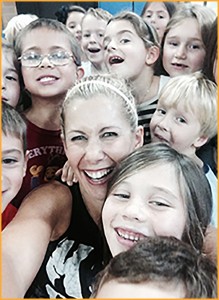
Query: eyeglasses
x,y
58,58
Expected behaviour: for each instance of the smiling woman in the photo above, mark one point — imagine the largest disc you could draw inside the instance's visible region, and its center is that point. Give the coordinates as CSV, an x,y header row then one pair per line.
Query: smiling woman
x,y
99,128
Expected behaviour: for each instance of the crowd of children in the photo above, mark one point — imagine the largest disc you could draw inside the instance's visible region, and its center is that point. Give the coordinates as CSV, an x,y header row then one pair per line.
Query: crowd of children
x,y
85,102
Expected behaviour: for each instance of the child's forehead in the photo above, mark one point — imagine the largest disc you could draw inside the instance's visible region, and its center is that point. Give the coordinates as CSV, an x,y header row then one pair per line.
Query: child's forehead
x,y
120,27
45,30
38,37
181,23
11,138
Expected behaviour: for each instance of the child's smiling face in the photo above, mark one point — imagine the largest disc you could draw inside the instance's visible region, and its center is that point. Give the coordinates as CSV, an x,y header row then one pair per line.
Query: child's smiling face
x,y
48,80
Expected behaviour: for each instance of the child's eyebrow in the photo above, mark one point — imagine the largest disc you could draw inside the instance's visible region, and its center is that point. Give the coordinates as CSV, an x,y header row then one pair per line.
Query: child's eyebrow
x,y
178,37
107,38
11,151
35,48
12,70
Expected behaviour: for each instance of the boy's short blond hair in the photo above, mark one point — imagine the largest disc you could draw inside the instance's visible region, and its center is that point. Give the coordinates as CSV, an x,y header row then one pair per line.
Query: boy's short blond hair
x,y
13,124
198,94
98,13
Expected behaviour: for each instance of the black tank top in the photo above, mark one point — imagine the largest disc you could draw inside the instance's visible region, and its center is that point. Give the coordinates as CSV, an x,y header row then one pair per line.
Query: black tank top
x,y
71,262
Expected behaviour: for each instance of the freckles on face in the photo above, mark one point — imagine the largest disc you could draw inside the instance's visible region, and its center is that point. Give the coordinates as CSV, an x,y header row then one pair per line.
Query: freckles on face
x,y
146,203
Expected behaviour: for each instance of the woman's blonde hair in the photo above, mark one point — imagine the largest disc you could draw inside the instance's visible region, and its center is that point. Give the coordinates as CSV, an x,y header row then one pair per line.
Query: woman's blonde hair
x,y
110,86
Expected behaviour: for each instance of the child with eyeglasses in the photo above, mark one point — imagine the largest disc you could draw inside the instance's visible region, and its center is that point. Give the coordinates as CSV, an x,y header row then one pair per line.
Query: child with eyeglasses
x,y
50,64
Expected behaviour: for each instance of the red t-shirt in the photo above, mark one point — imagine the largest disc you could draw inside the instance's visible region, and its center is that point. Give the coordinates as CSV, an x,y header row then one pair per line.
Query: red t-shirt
x,y
46,155
8,214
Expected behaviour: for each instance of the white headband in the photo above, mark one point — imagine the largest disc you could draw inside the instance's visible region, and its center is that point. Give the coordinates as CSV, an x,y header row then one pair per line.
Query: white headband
x,y
110,86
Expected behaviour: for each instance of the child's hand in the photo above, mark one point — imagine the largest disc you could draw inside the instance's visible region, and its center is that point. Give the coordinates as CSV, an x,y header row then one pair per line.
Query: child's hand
x,y
67,174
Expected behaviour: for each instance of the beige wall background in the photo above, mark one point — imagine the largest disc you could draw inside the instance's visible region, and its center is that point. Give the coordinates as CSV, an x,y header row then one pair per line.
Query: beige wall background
x,y
8,11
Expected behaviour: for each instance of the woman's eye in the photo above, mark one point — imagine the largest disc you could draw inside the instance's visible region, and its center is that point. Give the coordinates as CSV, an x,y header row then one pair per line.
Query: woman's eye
x,y
110,134
78,138
86,35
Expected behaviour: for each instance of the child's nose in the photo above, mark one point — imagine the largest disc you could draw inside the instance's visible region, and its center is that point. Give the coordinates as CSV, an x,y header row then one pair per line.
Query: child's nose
x,y
153,19
164,123
111,45
134,210
46,62
78,28
180,52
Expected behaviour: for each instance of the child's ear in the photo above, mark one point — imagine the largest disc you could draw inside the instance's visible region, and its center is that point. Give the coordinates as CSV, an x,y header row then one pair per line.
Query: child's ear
x,y
152,55
25,162
200,141
80,73
139,137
